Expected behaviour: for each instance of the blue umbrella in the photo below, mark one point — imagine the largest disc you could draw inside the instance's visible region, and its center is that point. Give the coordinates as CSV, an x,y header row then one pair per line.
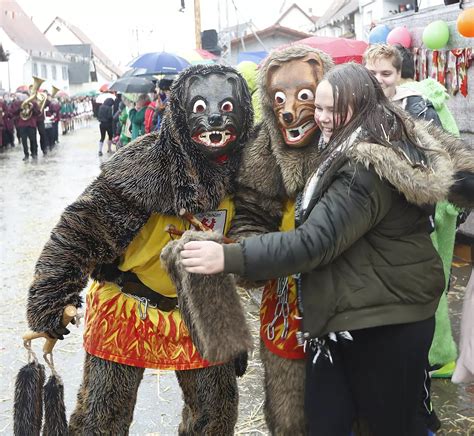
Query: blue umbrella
x,y
159,63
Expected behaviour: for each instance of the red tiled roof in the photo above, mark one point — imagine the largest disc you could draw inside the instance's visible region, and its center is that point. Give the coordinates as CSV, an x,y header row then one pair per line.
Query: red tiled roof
x,y
295,6
22,31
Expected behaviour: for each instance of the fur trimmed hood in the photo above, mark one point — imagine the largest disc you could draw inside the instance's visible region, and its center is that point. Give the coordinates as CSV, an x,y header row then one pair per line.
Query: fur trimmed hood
x,y
446,155
166,171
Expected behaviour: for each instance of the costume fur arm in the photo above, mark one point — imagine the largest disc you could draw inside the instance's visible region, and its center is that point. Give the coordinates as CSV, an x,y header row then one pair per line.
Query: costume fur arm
x,y
92,230
209,304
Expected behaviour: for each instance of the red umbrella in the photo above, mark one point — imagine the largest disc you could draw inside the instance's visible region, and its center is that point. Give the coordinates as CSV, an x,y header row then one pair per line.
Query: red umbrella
x,y
23,88
205,54
104,88
340,49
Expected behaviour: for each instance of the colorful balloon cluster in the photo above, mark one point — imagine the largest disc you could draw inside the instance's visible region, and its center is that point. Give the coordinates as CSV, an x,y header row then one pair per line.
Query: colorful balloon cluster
x,y
382,34
435,36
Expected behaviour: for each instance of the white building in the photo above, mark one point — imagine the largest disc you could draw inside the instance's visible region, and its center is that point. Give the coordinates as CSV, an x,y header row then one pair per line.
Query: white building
x,y
89,67
296,18
29,52
341,19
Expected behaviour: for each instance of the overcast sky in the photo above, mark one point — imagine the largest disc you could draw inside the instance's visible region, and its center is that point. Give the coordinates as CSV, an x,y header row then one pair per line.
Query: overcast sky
x,y
122,29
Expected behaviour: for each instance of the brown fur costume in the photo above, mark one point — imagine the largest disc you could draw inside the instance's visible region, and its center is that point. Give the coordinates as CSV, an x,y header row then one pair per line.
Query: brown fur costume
x,y
271,172
218,339
157,173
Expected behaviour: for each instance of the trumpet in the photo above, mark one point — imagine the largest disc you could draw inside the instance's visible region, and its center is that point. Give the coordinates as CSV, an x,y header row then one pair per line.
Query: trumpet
x,y
27,105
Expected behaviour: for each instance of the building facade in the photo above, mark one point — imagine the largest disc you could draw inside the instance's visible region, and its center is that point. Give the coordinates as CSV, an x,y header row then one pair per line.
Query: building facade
x,y
89,67
27,52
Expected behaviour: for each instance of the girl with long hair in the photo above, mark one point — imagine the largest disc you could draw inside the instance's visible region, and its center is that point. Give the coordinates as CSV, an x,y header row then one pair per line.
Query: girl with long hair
x,y
369,279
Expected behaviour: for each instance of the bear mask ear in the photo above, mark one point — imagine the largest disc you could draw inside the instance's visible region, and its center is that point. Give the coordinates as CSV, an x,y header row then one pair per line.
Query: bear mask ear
x,y
316,63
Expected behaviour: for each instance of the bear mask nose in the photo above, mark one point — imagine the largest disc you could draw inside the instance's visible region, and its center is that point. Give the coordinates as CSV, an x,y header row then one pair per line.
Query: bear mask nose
x,y
215,120
288,117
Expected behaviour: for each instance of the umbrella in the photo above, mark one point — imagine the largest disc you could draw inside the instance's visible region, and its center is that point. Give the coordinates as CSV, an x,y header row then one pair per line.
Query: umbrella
x,y
198,56
340,49
102,97
104,88
253,56
23,88
135,72
61,94
132,85
160,63
26,88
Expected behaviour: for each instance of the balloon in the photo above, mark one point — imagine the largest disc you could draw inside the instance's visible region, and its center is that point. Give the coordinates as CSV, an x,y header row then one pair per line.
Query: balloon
x,y
378,35
465,23
436,35
399,35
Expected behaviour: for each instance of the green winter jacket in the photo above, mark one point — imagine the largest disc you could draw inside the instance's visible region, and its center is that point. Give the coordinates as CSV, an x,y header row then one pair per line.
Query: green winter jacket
x,y
125,134
438,96
137,118
364,249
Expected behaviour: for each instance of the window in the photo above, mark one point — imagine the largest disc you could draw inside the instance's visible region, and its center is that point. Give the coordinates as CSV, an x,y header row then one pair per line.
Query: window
x,y
44,71
53,72
64,73
35,69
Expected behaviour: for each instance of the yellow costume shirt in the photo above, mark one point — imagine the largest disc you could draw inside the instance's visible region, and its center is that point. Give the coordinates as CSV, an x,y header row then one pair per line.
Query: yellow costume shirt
x,y
114,330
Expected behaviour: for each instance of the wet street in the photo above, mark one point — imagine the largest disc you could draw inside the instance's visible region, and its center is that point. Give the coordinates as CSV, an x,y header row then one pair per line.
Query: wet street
x,y
32,196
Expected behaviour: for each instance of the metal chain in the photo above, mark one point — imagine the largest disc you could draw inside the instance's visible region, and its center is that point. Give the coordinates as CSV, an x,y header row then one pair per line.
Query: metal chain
x,y
282,309
143,305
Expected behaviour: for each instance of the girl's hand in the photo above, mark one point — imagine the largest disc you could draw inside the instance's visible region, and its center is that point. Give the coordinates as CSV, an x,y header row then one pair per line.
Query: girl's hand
x,y
203,257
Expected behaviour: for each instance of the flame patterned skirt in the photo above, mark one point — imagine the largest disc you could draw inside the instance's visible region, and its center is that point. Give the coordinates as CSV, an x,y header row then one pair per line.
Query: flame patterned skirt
x,y
287,346
114,331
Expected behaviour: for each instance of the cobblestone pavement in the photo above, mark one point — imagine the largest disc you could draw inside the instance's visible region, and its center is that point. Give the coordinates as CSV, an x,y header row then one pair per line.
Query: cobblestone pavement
x,y
32,196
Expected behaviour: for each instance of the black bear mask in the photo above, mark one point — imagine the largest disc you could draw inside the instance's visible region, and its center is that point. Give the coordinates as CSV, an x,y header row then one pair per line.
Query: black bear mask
x,y
214,111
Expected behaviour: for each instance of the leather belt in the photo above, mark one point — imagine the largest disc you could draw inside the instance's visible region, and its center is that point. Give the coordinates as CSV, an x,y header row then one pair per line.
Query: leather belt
x,y
131,284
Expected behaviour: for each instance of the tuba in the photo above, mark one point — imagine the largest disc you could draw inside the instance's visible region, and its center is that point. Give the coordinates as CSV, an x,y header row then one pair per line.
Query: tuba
x,y
27,105
54,91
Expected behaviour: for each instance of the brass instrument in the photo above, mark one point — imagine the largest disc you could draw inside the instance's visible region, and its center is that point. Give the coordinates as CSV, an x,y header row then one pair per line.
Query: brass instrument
x,y
54,91
27,105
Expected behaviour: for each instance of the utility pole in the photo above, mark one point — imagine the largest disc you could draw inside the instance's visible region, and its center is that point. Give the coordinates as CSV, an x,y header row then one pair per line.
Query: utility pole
x,y
197,22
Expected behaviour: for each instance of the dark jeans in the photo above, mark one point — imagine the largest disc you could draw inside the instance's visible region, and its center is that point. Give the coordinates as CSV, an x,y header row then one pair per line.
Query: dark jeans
x,y
105,128
375,381
50,136
8,138
28,133
55,130
44,143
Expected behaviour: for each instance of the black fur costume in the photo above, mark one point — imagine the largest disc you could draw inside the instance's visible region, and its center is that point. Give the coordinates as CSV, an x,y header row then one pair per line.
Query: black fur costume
x,y
157,173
